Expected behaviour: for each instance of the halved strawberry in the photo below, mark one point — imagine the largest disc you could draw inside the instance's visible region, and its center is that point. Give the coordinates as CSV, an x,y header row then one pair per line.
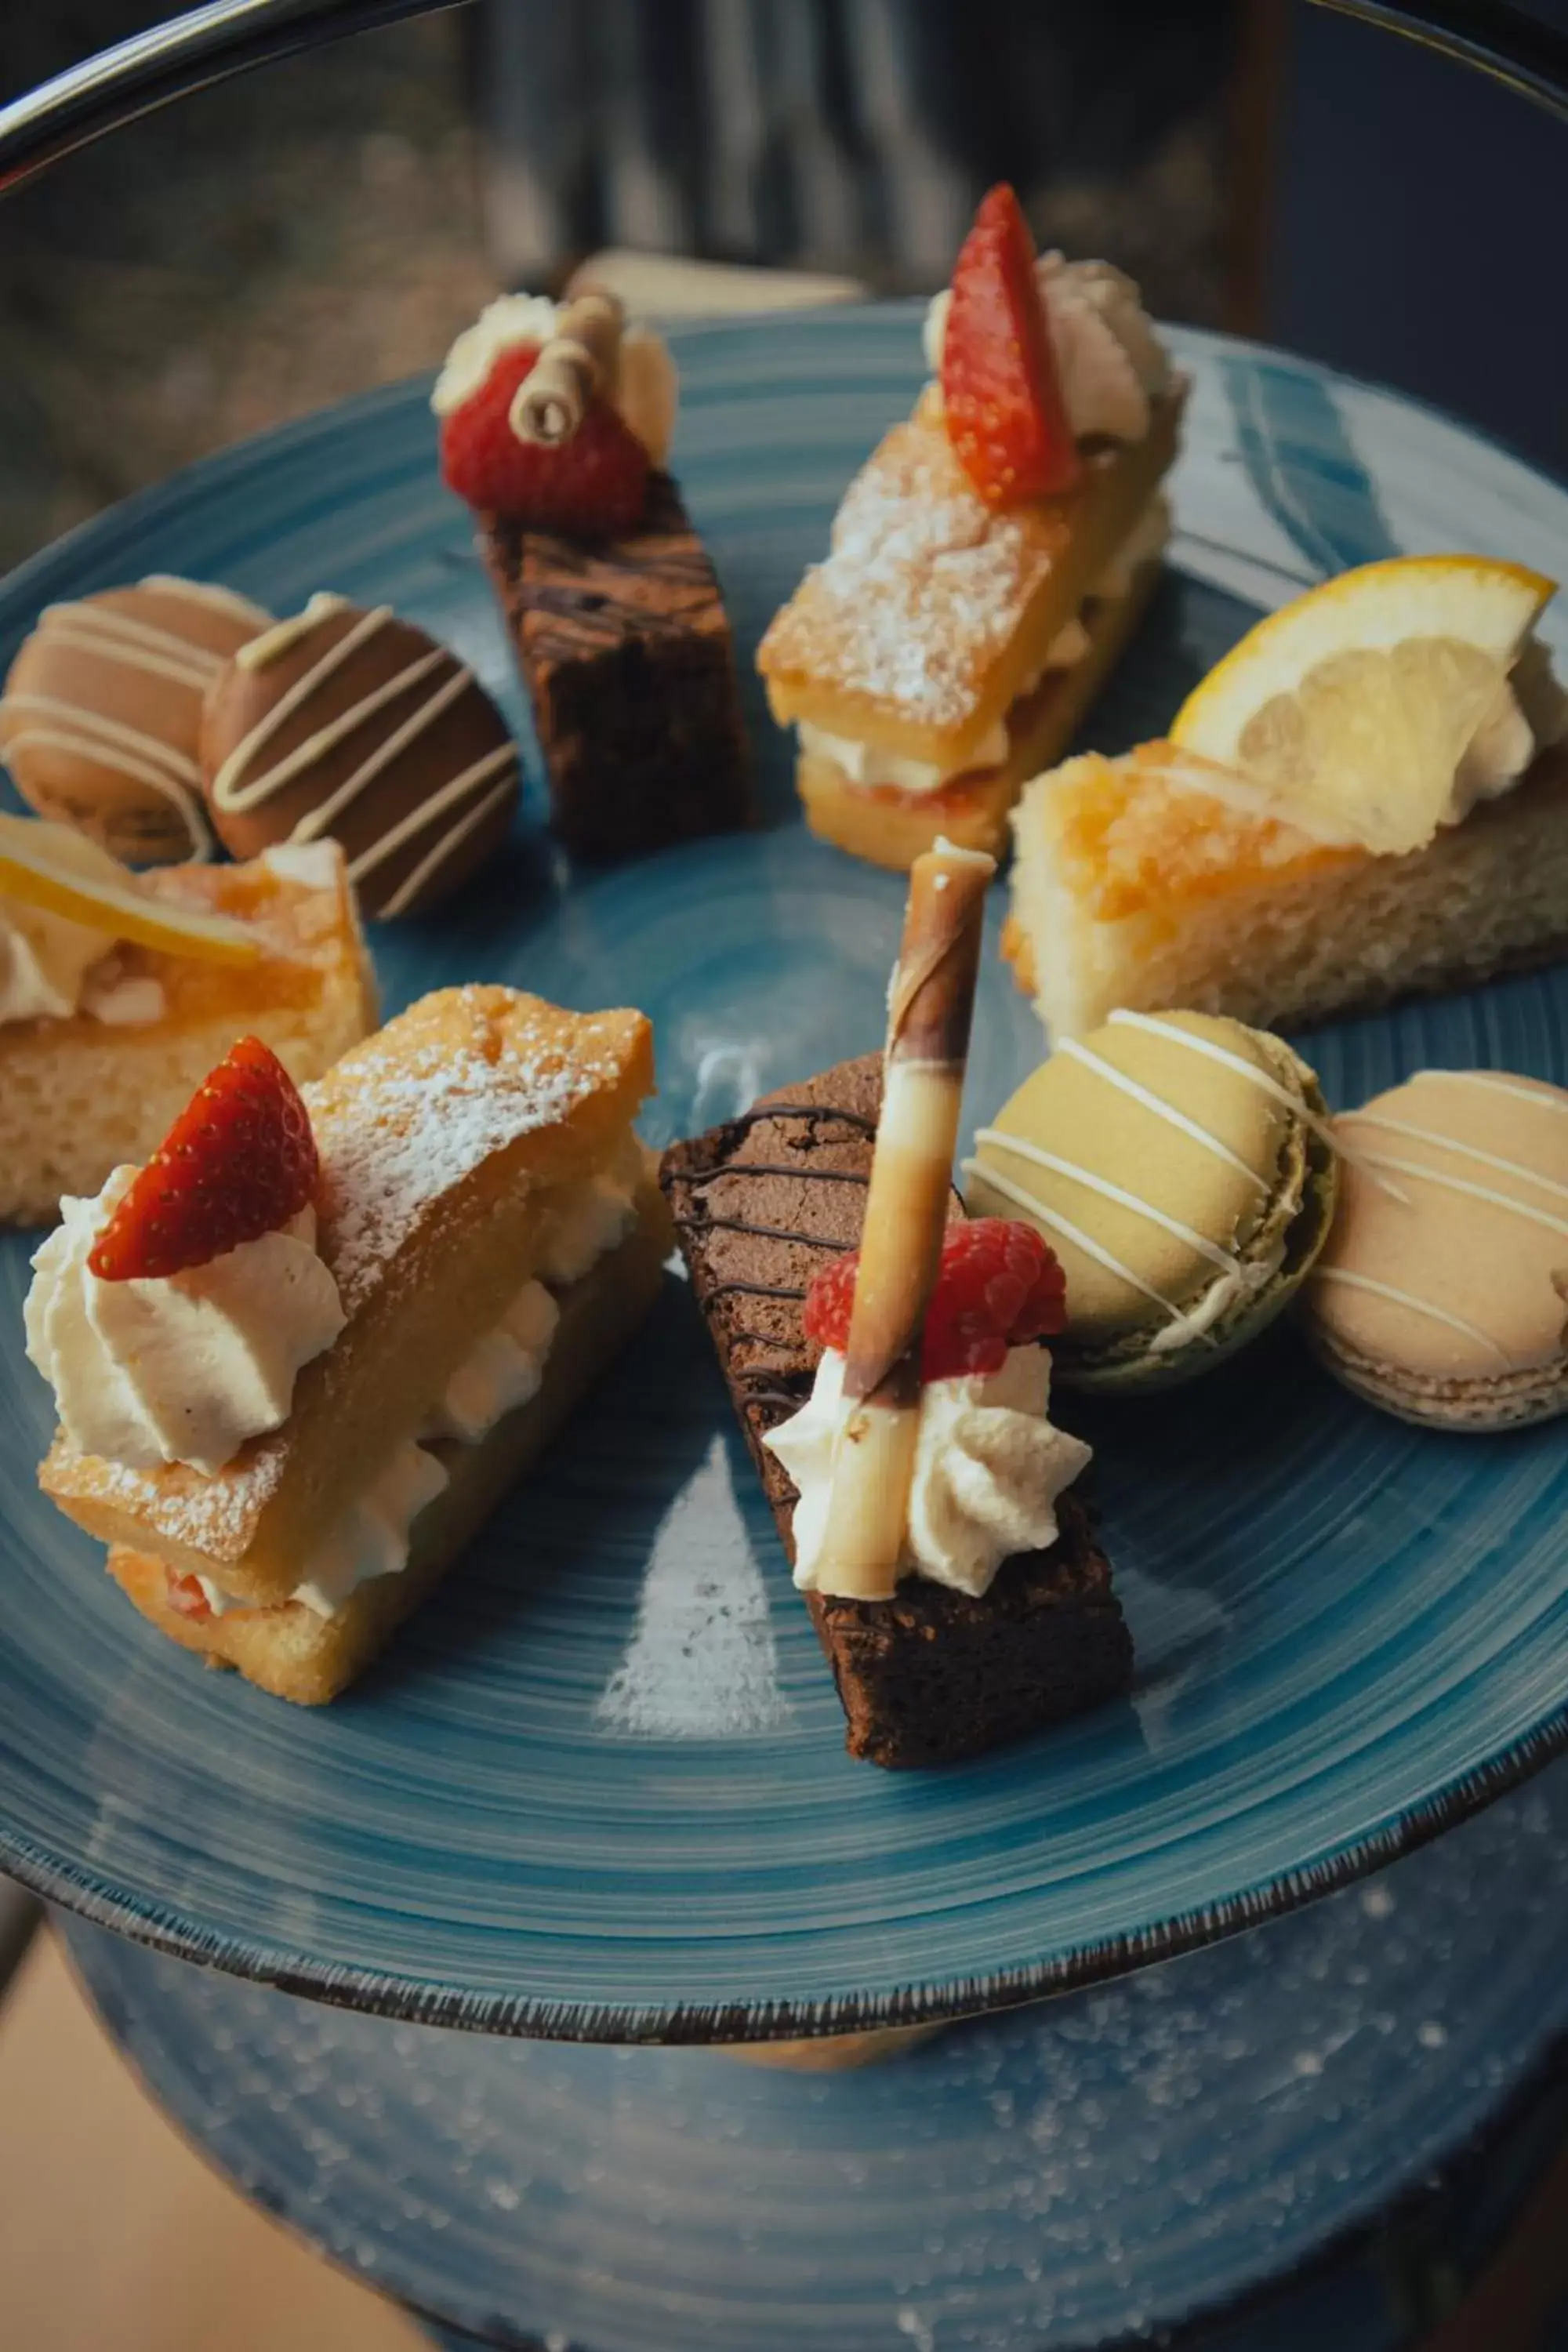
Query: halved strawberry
x,y
239,1162
593,486
186,1597
1003,398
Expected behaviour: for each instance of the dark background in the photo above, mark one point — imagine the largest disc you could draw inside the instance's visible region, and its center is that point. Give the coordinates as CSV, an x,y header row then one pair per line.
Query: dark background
x,y
329,223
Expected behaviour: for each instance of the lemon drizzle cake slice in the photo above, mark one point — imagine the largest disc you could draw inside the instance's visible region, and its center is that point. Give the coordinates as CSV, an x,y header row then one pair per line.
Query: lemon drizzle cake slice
x,y
1152,880
91,1076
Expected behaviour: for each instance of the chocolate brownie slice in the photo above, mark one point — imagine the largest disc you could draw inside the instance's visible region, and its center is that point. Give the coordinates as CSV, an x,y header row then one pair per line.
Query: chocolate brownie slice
x,y
623,646
760,1204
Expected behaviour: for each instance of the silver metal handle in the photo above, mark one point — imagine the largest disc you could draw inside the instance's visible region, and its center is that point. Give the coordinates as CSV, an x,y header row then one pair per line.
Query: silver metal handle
x,y
1518,50
229,36
189,53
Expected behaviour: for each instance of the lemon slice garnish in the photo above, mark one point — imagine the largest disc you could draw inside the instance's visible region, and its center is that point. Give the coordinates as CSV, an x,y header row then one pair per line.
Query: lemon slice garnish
x,y
58,872
1352,708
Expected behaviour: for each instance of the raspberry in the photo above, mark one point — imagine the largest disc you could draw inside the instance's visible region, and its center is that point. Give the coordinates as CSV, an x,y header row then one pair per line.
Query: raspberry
x,y
239,1162
825,1314
1005,415
1000,1286
593,486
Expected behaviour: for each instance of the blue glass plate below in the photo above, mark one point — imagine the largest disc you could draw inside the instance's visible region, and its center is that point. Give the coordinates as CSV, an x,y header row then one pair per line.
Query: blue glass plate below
x,y
596,1788
1353,2100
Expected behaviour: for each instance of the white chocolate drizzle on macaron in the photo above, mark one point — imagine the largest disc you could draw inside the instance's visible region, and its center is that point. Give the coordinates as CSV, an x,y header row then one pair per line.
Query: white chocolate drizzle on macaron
x,y
1186,1324
1320,1126
1467,1279
1397,1297
51,724
1222,1221
469,798
1162,1108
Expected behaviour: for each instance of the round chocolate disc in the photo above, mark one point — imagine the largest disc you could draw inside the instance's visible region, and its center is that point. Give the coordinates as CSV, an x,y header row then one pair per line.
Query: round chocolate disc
x,y
101,712
357,726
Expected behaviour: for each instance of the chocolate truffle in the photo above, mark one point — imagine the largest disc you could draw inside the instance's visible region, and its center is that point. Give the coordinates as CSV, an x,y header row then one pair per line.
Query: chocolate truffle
x,y
357,726
101,713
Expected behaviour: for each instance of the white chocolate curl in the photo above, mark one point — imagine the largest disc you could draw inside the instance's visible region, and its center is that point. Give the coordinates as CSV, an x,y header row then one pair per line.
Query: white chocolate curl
x,y
931,1002
579,360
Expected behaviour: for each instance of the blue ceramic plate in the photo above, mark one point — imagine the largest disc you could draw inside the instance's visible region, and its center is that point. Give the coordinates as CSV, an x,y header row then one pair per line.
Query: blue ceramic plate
x,y
598,1788
1107,2164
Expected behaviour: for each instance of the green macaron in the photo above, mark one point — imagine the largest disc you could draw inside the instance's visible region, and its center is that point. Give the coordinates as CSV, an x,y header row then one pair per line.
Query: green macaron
x,y
1181,1167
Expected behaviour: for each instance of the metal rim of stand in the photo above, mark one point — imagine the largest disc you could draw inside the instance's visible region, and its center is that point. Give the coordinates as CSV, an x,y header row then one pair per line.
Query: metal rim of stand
x,y
226,37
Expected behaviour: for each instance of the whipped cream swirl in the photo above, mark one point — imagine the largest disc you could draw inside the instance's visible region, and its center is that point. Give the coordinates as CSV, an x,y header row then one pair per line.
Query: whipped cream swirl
x,y
185,1368
989,1466
646,389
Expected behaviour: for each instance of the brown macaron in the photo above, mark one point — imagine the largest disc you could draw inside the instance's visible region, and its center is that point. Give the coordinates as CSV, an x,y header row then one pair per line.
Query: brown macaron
x,y
1443,1293
357,726
101,712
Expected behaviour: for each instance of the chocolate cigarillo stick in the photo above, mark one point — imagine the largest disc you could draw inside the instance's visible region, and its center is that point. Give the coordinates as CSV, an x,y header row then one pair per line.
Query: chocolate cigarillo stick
x,y
931,1001
580,358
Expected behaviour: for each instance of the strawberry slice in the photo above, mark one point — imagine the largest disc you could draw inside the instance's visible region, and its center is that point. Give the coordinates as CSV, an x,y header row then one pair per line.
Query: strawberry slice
x,y
186,1597
593,486
1005,415
239,1162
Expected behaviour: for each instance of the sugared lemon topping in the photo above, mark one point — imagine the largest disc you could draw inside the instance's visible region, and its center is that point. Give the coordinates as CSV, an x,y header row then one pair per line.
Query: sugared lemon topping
x,y
1353,707
1158,826
59,873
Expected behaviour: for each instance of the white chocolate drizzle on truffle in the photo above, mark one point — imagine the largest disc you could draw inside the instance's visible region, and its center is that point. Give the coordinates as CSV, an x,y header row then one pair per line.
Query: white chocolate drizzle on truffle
x,y
468,797
206,592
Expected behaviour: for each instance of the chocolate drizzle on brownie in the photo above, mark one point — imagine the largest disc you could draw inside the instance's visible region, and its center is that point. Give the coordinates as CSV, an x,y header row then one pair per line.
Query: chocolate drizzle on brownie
x,y
623,646
931,1674
778,1196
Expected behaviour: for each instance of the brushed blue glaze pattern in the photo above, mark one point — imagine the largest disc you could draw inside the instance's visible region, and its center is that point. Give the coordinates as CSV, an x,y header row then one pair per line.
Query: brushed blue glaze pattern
x,y
598,1789
1113,2161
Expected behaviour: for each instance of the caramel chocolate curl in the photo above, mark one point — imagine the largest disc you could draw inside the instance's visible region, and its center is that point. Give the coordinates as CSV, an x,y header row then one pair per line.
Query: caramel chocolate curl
x,y
580,358
929,1007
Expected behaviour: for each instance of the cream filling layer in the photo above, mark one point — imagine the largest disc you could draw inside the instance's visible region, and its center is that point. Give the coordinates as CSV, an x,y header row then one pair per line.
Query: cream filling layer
x,y
504,1371
868,767
184,1367
988,1468
372,1542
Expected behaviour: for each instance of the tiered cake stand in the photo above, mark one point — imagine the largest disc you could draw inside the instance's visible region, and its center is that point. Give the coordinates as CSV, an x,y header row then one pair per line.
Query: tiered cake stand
x,y
1314,2132
596,1792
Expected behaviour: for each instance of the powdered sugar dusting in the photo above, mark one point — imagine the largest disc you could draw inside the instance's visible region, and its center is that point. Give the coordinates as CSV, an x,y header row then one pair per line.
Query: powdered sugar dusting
x,y
410,1115
923,590
400,1122
217,1516
419,1129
